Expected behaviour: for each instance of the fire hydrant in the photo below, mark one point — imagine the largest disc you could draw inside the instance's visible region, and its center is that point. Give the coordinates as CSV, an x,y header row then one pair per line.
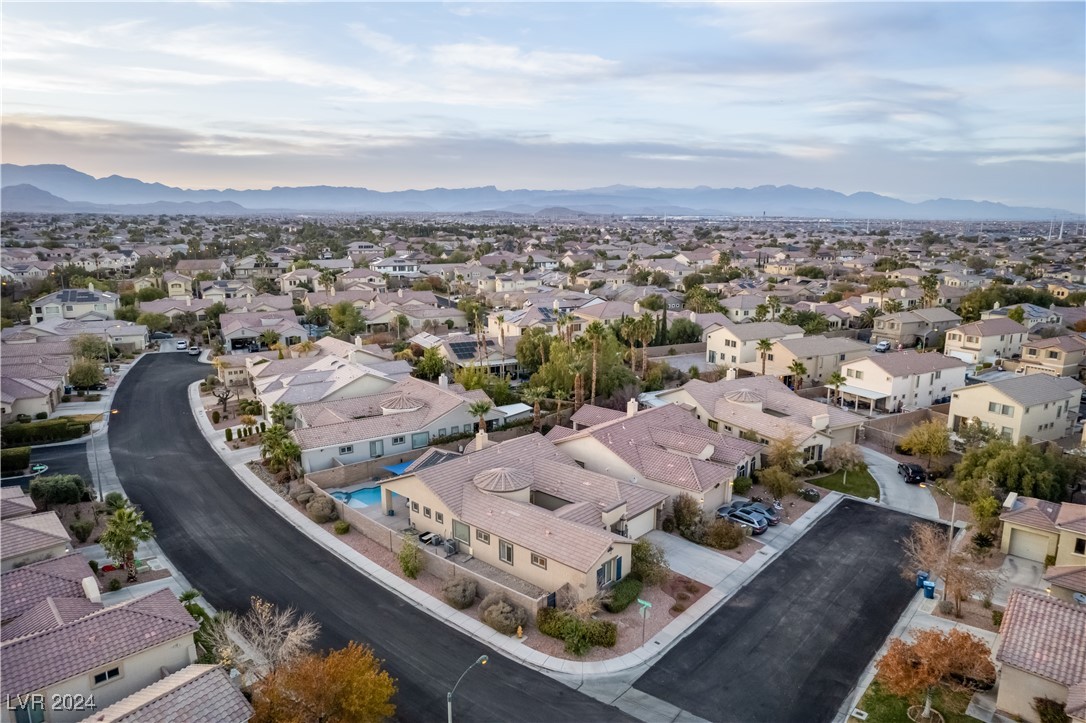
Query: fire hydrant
x,y
520,632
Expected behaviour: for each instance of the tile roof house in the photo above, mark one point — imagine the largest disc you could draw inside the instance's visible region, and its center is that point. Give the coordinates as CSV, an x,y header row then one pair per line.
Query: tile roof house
x,y
1061,356
821,356
108,653
590,414
736,344
25,587
15,503
910,328
400,419
1035,316
1036,529
123,334
1037,406
194,693
86,303
304,380
764,408
241,330
985,341
1042,650
32,538
902,380
526,508
29,386
665,449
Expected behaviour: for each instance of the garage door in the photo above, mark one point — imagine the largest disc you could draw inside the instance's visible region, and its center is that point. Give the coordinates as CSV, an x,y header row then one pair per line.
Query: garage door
x,y
1029,545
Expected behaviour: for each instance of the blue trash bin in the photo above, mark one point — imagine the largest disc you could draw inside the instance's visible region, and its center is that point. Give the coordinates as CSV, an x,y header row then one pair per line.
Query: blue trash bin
x,y
921,577
929,589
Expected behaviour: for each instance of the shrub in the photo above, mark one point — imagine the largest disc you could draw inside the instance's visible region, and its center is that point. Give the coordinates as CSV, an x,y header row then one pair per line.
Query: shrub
x,y
946,607
810,495
502,615
342,527
687,513
668,525
49,430
603,633
742,485
982,541
321,509
724,535
549,621
58,489
648,563
682,596
93,566
82,529
622,594
41,415
693,588
262,427
215,417
229,434
997,618
578,635
678,607
114,585
1051,711
15,459
92,397
65,398
1050,560
411,556
460,592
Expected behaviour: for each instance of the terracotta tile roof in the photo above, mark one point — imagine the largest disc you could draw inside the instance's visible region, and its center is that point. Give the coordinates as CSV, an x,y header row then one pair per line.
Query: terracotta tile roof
x,y
557,433
52,612
590,414
15,503
194,693
24,535
1072,577
1072,517
1032,512
1076,700
33,662
1044,636
991,327
25,587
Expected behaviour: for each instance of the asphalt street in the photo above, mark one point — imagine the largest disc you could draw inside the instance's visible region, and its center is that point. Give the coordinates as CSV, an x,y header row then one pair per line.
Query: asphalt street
x,y
791,645
231,546
62,459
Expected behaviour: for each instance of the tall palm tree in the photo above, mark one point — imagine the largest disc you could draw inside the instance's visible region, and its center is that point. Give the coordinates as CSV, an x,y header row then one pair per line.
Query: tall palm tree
x,y
533,396
646,330
578,367
595,332
774,303
287,457
892,306
879,285
559,395
764,347
798,370
836,380
280,412
501,333
629,331
273,438
479,409
761,311
124,532
327,279
868,316
930,284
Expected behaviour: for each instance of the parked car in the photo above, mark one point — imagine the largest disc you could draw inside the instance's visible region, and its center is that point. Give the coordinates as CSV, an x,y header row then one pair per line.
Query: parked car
x,y
746,518
912,472
194,351
883,346
772,516
182,345
99,387
161,335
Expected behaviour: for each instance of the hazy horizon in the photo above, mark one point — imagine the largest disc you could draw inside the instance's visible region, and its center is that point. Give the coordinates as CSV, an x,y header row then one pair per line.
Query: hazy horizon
x,y
913,101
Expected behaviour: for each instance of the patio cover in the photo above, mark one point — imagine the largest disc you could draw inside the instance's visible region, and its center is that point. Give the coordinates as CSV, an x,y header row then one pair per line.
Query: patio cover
x,y
864,393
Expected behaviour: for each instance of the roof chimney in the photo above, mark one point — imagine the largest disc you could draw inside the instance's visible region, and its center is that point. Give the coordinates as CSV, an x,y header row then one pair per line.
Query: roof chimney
x,y
731,373
693,316
482,441
820,421
631,407
91,589
554,305
188,301
443,381
399,292
637,307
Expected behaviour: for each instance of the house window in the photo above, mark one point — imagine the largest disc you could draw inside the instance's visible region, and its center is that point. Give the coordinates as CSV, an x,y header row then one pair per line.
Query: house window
x,y
30,712
439,518
441,432
1053,355
712,357
713,425
397,440
539,561
414,506
1007,432
1080,545
1031,352
420,439
938,375
608,572
461,531
347,449
106,675
455,429
426,512
505,551
377,448
483,537
769,357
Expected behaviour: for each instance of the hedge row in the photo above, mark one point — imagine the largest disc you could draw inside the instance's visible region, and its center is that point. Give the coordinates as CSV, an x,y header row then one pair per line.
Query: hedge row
x,y
578,635
51,430
15,459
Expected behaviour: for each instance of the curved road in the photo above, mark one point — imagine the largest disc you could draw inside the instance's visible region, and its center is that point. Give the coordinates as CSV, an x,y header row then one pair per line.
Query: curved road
x,y
230,546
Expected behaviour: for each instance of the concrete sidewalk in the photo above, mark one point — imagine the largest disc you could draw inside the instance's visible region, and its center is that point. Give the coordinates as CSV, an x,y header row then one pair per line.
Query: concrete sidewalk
x,y
574,672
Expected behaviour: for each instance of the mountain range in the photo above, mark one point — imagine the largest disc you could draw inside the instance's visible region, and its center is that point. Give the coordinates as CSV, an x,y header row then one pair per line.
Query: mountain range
x,y
60,189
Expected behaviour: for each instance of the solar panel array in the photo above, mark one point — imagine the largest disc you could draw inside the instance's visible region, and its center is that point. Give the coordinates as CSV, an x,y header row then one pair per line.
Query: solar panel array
x,y
78,296
468,349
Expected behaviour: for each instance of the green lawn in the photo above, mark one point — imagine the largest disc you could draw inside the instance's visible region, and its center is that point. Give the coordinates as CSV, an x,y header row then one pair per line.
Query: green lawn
x,y
882,707
859,484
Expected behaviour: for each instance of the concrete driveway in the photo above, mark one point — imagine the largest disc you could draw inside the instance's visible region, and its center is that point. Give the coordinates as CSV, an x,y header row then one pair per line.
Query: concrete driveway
x,y
694,561
1017,572
894,492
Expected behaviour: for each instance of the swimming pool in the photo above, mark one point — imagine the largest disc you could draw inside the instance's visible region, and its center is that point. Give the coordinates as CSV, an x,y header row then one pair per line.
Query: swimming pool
x,y
359,498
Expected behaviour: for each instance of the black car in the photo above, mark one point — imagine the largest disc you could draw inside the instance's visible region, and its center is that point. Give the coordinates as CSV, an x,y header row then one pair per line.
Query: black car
x,y
912,473
159,335
99,387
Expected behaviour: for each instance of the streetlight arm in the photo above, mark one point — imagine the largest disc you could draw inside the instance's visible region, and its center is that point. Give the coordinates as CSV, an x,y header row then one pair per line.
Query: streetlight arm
x,y
481,661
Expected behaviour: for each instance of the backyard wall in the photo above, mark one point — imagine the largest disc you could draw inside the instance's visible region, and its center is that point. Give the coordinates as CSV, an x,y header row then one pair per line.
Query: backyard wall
x,y
887,431
697,347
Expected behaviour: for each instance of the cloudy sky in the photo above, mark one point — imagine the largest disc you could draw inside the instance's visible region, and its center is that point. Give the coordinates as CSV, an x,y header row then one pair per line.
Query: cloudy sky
x,y
918,100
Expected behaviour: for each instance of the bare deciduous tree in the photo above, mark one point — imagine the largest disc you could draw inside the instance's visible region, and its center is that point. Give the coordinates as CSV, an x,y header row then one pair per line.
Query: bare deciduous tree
x,y
275,635
927,549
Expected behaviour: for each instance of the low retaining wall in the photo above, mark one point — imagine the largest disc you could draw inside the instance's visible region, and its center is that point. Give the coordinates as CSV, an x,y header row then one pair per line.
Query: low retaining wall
x,y
697,347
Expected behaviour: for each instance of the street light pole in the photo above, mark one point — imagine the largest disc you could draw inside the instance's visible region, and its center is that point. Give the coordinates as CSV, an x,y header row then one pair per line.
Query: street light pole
x,y
482,660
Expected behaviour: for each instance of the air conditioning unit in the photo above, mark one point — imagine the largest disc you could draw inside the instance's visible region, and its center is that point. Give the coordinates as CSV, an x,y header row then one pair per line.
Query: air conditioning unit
x,y
451,547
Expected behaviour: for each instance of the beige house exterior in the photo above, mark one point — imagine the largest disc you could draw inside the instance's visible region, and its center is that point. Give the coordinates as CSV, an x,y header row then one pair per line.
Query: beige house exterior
x,y
1037,406
525,508
908,328
177,286
985,341
1037,529
821,357
738,343
1041,649
901,380
32,538
75,304
1062,356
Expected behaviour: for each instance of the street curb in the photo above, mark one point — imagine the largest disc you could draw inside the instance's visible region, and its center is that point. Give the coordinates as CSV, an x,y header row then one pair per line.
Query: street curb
x,y
654,647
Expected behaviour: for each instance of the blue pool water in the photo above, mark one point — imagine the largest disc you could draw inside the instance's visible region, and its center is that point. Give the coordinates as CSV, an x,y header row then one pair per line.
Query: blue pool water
x,y
360,498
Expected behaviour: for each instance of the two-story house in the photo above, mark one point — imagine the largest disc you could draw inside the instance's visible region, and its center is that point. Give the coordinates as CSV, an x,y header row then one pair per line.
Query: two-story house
x,y
820,356
743,307
177,286
86,303
1037,406
902,380
910,328
1061,356
737,344
985,341
399,266
1033,318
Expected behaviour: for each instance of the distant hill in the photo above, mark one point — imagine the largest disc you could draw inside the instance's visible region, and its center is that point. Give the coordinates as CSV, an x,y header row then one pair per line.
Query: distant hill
x,y
117,194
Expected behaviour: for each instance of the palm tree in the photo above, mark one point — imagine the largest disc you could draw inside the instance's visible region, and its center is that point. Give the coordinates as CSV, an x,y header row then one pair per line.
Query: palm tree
x,y
533,396
764,347
930,284
287,456
836,380
501,333
761,311
304,347
280,412
327,279
646,330
125,530
578,367
868,316
595,332
774,303
479,409
629,331
892,306
270,338
559,395
879,285
798,370
270,442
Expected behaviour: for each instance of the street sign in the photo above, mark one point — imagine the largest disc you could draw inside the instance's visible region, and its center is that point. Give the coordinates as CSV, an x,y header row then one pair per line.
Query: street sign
x,y
38,468
644,603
